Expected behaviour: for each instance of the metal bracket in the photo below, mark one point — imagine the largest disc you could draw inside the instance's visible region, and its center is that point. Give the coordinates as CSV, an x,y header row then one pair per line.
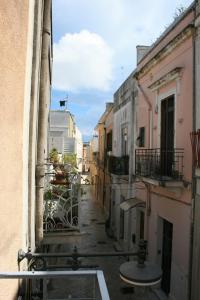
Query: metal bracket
x,y
21,255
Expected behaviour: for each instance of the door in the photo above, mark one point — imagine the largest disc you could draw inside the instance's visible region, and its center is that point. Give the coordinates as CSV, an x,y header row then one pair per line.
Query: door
x,y
166,255
121,236
141,225
167,136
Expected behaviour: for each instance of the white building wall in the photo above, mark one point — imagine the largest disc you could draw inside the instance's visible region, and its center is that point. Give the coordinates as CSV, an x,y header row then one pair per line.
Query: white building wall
x,y
95,143
60,136
121,118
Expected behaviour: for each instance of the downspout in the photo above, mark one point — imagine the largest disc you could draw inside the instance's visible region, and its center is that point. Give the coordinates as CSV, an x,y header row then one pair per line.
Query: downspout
x,y
104,166
193,168
131,153
150,144
43,120
33,122
147,210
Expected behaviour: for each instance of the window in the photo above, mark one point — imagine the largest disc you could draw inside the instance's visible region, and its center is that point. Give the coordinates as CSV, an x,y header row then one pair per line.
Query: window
x,y
142,137
109,141
124,141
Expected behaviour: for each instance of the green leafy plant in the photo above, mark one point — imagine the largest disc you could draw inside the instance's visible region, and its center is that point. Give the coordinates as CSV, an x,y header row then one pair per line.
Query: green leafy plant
x,y
71,160
54,155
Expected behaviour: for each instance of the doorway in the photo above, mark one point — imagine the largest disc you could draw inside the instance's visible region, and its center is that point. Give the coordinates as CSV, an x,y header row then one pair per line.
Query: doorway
x,y
141,225
166,255
121,233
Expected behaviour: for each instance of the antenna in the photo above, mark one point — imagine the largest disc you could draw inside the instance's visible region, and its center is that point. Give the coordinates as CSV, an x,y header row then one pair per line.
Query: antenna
x,y
64,102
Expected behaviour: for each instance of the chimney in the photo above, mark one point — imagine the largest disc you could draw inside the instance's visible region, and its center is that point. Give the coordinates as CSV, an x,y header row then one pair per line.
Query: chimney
x,y
141,51
109,105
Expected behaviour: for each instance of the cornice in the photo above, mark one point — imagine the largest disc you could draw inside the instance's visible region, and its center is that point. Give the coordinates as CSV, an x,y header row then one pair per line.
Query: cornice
x,y
172,75
166,50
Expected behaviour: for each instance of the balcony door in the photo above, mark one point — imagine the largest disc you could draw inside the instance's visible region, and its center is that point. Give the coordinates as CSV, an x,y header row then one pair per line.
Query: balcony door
x,y
167,135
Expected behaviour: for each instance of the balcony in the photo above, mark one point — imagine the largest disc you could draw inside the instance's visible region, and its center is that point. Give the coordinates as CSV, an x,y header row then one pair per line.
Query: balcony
x,y
160,165
61,199
118,165
81,284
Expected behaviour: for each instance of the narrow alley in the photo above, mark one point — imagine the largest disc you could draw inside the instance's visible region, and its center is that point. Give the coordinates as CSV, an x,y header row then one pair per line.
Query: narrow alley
x,y
92,238
100,150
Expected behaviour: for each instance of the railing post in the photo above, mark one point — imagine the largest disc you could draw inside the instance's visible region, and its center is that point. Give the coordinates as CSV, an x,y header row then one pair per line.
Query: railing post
x,y
45,293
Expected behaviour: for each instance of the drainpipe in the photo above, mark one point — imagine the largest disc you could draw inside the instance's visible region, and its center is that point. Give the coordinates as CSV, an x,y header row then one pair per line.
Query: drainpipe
x,y
43,119
147,210
191,260
131,160
132,119
150,145
33,120
104,167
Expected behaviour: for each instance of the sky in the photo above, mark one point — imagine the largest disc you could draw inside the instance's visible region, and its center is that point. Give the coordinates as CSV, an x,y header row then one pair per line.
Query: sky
x,y
94,49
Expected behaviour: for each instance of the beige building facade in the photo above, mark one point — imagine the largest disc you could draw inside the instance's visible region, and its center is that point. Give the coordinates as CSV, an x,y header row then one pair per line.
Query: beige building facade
x,y
25,63
122,163
100,145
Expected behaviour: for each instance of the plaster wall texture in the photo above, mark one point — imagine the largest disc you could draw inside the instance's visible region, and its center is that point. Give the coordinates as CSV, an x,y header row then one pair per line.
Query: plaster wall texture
x,y
101,136
115,208
95,144
109,121
180,216
121,118
20,64
15,84
107,179
62,135
182,88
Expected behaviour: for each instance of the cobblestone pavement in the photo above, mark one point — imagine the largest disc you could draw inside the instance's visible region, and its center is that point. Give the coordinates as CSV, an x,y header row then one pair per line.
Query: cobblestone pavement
x,y
93,239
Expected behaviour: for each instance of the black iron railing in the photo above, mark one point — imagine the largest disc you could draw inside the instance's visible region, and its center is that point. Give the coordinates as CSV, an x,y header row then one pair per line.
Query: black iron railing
x,y
159,164
118,165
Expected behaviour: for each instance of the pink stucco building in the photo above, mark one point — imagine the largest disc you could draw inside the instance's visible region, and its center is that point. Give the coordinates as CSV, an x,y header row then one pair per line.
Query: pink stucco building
x,y
163,161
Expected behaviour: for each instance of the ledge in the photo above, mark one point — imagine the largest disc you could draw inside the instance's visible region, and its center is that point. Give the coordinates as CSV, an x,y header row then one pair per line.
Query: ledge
x,y
164,183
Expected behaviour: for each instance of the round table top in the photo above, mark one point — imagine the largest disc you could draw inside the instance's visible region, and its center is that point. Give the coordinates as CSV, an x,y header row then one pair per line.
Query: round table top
x,y
133,274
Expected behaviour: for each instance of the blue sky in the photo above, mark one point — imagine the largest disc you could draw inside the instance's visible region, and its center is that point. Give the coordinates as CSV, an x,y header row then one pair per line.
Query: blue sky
x,y
95,49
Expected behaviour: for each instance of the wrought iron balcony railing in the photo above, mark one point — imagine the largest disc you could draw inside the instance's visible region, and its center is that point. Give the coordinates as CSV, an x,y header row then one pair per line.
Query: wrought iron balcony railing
x,y
118,165
61,202
91,284
159,164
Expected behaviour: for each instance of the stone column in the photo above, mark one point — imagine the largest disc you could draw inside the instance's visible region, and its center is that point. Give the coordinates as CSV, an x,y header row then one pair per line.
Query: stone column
x,y
44,101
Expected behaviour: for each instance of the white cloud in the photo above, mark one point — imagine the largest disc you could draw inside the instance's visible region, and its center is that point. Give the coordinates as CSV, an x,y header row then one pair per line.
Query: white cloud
x,y
82,61
122,24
